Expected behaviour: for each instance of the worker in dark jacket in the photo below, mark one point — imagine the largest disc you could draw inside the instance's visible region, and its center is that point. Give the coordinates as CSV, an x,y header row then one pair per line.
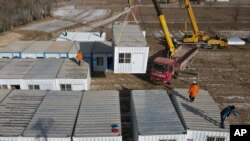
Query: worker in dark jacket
x,y
225,113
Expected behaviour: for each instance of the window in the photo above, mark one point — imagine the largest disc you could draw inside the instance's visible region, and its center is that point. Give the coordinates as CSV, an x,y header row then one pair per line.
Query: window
x,y
65,87
124,57
34,87
99,61
215,139
3,87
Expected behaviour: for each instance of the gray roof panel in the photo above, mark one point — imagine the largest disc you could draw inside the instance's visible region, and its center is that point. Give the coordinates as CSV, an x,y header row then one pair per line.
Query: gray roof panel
x,y
125,35
202,114
56,115
17,46
155,113
70,69
38,47
99,110
45,69
3,93
17,110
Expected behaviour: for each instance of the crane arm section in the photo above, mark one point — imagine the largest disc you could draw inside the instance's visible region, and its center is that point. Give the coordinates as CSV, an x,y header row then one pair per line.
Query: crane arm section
x,y
191,16
164,27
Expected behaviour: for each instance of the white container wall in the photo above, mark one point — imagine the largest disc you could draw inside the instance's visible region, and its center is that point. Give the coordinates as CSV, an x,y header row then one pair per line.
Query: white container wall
x,y
138,60
203,135
44,74
98,138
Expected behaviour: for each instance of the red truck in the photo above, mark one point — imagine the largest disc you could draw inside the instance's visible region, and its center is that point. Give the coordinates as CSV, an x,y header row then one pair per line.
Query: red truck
x,y
164,69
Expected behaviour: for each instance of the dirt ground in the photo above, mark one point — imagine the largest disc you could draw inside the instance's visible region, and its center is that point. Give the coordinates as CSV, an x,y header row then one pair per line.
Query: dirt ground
x,y
223,72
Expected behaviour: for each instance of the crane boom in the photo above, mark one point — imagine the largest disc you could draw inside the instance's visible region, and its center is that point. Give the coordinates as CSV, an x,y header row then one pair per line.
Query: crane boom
x,y
164,27
192,17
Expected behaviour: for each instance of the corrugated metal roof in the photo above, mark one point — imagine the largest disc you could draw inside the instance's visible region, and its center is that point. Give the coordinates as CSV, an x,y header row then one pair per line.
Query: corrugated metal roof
x,y
155,113
98,112
202,115
125,35
38,47
42,69
45,69
17,68
82,36
60,47
72,70
56,115
16,46
3,94
17,110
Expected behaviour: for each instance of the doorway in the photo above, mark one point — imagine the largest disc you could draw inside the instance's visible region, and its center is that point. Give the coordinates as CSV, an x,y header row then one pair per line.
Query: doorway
x,y
15,87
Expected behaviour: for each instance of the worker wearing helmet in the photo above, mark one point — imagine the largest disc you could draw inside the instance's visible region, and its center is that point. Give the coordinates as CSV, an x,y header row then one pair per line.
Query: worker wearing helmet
x,y
193,91
79,57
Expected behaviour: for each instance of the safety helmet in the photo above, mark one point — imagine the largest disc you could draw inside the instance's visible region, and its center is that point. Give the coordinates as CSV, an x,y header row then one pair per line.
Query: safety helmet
x,y
194,82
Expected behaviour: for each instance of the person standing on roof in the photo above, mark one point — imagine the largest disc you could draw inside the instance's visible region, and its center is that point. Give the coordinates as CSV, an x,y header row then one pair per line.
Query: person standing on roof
x,y
225,113
193,91
79,57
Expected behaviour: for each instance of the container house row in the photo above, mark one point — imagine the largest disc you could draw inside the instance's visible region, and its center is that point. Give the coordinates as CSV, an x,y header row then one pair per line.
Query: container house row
x,y
60,116
44,74
128,52
159,116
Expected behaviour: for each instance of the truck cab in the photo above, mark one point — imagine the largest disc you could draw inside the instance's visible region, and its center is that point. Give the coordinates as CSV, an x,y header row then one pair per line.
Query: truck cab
x,y
162,70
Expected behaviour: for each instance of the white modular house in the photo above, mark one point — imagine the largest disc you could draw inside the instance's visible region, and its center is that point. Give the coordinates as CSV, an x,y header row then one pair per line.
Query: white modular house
x,y
99,117
130,49
154,117
201,117
40,49
60,116
14,49
82,36
44,74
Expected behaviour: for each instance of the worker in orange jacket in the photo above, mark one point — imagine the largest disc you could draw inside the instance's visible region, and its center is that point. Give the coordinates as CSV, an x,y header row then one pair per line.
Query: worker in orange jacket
x,y
193,91
79,57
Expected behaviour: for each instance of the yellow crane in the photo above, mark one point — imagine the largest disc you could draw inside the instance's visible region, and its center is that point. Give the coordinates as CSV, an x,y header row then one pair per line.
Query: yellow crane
x,y
200,37
164,28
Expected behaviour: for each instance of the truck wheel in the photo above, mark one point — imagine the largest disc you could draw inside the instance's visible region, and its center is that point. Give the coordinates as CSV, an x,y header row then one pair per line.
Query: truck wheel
x,y
175,75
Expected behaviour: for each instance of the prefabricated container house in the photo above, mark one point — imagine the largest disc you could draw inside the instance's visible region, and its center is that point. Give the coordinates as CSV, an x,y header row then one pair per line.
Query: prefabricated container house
x,y
160,116
60,116
99,117
44,74
154,117
130,49
201,117
82,36
36,49
14,49
59,49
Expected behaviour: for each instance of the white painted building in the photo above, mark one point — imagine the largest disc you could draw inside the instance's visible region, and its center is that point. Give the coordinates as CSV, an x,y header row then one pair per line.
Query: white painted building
x,y
44,74
60,116
130,49
158,116
82,36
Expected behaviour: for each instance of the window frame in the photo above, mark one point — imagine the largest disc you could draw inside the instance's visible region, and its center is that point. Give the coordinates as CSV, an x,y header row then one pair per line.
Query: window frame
x,y
98,62
65,87
124,58
213,138
34,87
